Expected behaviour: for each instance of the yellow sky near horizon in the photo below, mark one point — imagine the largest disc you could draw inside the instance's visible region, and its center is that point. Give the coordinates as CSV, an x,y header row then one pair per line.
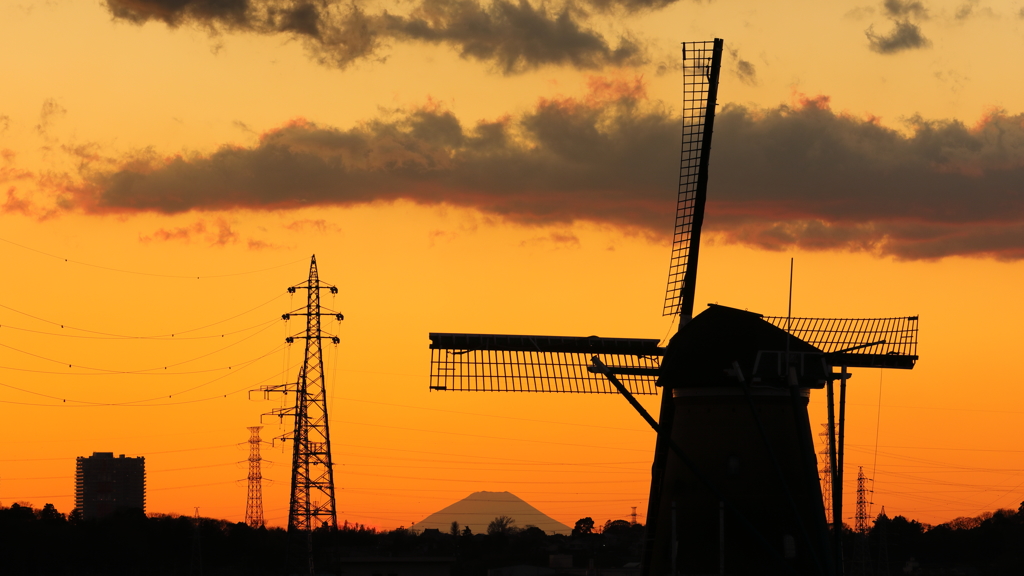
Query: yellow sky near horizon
x,y
947,433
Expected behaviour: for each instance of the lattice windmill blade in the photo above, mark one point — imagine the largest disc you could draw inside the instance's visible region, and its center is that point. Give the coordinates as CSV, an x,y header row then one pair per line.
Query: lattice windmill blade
x,y
702,62
858,342
518,363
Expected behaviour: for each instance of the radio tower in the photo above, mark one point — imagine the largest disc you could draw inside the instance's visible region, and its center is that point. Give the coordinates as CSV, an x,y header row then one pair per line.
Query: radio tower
x,y
861,519
312,486
254,504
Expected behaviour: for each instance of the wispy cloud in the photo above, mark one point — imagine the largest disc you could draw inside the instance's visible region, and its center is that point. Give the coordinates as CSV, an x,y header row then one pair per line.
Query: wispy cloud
x,y
51,112
220,233
319,225
184,233
745,70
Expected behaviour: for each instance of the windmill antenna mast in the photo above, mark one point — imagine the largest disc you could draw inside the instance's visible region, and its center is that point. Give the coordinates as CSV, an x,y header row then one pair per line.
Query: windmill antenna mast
x,y
312,485
254,503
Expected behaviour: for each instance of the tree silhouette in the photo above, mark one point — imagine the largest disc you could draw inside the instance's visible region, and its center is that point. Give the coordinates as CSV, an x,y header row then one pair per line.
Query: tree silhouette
x,y
616,527
583,526
501,525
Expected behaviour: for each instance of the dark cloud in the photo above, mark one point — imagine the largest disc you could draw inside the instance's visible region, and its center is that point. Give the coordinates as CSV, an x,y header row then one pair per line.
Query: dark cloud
x,y
907,9
800,175
745,70
629,6
512,36
905,35
823,180
566,159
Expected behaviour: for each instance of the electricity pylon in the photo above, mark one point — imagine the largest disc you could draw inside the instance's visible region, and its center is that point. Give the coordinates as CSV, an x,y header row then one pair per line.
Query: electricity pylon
x,y
254,504
312,486
826,471
861,518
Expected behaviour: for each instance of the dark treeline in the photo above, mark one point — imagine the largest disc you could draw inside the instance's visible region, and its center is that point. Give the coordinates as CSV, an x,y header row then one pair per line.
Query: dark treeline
x,y
992,543
44,541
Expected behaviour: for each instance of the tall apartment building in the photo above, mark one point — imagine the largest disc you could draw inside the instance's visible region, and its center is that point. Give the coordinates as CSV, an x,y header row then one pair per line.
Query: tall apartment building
x,y
104,484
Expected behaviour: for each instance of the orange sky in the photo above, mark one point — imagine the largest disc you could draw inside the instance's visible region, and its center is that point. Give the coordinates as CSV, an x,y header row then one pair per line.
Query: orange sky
x,y
518,237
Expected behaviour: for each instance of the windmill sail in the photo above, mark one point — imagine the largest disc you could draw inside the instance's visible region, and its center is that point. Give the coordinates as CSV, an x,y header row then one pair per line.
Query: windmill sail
x,y
510,363
702,62
857,342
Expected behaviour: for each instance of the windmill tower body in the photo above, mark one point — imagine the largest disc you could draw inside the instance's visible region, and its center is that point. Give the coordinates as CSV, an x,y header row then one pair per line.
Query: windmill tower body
x,y
743,423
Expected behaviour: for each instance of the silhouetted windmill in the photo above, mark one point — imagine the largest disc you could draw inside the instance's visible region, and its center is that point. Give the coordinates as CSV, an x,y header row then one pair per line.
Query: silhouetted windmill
x,y
734,466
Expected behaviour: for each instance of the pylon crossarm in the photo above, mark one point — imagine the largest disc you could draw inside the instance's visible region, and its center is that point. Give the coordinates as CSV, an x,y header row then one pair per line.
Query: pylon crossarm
x,y
296,312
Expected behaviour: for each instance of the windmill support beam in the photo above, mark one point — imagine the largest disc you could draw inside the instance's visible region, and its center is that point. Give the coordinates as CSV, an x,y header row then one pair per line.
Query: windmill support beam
x,y
837,493
837,522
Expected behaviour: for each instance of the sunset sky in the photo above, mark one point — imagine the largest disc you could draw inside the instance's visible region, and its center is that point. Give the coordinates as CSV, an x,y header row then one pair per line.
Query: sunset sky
x,y
167,167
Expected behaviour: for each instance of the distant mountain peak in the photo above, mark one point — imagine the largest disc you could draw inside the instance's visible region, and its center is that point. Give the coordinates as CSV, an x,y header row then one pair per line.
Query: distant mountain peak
x,y
479,508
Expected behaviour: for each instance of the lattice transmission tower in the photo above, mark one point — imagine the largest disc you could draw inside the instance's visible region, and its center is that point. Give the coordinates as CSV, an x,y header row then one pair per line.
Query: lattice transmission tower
x,y
861,519
312,484
824,455
254,503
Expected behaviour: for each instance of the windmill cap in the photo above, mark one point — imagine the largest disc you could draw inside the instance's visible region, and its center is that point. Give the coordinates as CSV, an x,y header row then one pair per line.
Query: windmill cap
x,y
710,348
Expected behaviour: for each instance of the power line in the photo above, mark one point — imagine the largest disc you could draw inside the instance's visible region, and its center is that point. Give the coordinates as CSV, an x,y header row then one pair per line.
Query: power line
x,y
390,449
464,480
407,467
140,403
492,437
123,271
390,458
222,335
129,453
939,448
531,501
144,372
488,415
65,476
166,336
